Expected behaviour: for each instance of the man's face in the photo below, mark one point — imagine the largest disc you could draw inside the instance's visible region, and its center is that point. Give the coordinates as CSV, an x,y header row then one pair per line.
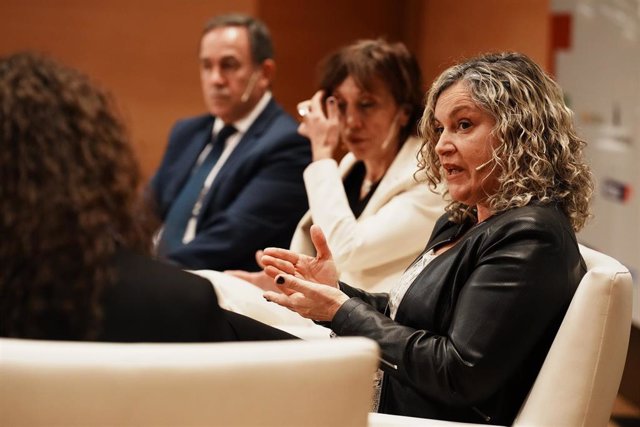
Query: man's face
x,y
231,83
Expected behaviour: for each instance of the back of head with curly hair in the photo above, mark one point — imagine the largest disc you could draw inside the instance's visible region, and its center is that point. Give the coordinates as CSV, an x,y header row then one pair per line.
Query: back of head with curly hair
x,y
69,187
539,155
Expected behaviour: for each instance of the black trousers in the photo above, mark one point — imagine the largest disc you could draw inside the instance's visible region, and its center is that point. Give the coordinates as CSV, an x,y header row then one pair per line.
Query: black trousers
x,y
244,328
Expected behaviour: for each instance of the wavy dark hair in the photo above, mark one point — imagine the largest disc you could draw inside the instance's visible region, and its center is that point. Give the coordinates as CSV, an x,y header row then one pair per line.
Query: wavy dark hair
x,y
69,188
539,156
392,63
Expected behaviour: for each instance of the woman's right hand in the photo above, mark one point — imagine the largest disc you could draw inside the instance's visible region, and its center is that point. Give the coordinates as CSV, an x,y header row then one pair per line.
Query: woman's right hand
x,y
257,278
318,269
323,131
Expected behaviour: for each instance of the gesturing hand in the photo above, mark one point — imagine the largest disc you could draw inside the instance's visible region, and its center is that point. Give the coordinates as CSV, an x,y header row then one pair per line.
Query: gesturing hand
x,y
311,300
258,278
318,269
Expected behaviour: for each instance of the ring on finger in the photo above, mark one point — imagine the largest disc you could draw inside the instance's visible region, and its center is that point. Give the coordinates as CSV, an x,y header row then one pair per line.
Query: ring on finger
x,y
304,108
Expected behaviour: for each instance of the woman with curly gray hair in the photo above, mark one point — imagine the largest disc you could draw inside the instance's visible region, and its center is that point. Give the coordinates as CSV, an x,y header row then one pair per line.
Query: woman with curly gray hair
x,y
537,156
465,331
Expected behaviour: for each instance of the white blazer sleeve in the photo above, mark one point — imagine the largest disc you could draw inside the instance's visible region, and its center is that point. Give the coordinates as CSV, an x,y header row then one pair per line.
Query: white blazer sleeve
x,y
397,229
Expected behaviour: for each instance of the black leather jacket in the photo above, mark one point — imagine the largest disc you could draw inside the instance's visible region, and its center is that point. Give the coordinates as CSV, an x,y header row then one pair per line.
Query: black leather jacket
x,y
473,329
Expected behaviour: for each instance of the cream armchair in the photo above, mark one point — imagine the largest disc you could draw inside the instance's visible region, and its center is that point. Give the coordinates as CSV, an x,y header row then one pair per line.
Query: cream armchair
x,y
580,377
274,383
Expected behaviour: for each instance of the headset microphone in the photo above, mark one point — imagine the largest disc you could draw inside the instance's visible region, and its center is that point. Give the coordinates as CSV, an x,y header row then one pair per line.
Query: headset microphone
x,y
393,130
250,85
484,164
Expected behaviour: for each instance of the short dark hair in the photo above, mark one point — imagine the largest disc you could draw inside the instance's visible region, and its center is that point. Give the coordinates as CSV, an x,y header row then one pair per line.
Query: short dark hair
x,y
392,63
259,35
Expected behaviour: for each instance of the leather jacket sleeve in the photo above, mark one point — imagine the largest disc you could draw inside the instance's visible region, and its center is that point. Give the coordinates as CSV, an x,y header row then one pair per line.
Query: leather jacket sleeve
x,y
377,300
504,289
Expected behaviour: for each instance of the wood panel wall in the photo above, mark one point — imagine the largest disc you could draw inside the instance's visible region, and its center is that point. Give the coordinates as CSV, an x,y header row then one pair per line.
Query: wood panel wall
x,y
444,32
304,34
145,51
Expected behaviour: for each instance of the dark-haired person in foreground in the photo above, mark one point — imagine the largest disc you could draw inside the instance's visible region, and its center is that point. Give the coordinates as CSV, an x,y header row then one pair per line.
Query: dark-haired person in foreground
x,y
74,261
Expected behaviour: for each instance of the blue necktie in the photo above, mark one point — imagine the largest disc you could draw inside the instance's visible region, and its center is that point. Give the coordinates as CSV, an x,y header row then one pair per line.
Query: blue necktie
x,y
179,214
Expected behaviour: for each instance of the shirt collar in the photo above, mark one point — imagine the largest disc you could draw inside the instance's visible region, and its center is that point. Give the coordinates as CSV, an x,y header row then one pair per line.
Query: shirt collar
x,y
243,124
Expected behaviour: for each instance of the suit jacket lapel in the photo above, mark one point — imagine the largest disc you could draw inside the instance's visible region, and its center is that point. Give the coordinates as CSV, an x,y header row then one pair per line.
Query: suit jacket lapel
x,y
184,165
246,143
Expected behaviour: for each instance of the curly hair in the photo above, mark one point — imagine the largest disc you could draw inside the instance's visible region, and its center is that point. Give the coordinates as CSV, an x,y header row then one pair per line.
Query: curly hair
x,y
392,63
69,188
539,155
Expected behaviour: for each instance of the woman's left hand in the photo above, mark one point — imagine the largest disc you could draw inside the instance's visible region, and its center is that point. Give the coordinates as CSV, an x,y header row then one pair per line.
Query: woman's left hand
x,y
311,300
256,278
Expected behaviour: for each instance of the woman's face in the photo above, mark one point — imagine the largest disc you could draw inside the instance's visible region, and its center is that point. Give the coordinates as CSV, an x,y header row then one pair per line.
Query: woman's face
x,y
465,146
370,121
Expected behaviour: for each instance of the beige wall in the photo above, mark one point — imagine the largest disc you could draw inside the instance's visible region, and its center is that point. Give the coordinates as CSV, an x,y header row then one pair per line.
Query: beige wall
x,y
144,51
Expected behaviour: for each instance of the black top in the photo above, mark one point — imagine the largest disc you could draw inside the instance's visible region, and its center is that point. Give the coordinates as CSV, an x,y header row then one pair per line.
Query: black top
x,y
155,302
353,184
151,301
475,325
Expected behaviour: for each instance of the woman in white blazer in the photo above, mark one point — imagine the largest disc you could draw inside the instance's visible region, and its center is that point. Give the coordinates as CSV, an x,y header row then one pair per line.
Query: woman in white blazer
x,y
375,215
376,247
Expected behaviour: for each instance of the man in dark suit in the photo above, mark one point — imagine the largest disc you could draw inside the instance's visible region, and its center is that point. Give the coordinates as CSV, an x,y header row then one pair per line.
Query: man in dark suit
x,y
230,182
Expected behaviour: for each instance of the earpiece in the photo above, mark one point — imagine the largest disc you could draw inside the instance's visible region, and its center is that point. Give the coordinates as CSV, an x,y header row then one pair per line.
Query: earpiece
x,y
484,164
250,85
